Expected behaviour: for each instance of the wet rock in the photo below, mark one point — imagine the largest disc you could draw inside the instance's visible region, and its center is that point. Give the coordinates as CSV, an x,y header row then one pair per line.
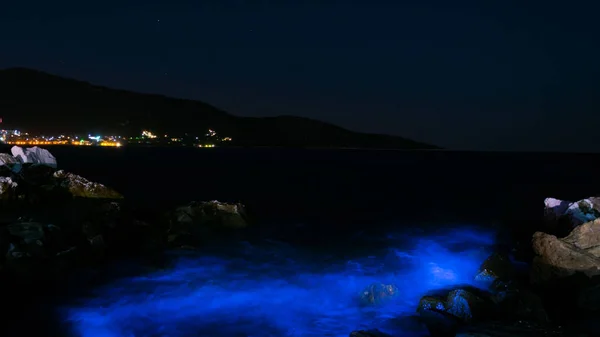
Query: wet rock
x,y
444,315
192,224
378,293
578,253
510,299
80,187
467,306
430,303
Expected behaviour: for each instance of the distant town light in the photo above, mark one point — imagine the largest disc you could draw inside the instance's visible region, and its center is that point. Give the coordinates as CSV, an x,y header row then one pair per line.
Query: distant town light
x,y
148,134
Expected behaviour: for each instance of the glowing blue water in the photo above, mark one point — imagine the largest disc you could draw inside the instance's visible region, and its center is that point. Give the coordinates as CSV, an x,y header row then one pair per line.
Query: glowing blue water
x,y
275,290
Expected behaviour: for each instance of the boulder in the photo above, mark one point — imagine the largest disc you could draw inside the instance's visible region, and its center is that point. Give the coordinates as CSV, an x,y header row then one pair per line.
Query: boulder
x,y
80,187
578,253
511,300
378,293
562,216
8,188
34,155
190,225
10,162
443,315
467,306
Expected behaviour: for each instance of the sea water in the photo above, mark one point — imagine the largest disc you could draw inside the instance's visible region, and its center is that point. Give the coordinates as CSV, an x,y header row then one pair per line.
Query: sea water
x,y
274,289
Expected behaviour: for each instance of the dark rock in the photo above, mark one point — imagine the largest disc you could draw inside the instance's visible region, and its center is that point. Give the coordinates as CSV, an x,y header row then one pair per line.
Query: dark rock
x,y
467,306
530,307
31,249
511,329
496,268
197,222
511,300
589,299
444,315
440,323
368,333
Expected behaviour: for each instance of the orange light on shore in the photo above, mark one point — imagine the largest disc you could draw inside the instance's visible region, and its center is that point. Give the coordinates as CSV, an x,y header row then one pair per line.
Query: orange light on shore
x,y
61,142
114,144
36,142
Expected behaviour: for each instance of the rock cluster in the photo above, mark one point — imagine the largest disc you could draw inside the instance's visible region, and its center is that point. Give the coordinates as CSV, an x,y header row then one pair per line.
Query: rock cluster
x,y
559,297
52,221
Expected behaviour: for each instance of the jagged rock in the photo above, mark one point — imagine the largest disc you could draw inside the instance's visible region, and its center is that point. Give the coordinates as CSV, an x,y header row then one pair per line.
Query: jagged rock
x,y
190,224
10,162
34,155
562,216
378,293
466,305
443,316
8,188
78,186
578,253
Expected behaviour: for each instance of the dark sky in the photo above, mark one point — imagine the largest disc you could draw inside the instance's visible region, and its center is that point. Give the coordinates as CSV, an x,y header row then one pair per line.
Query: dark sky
x,y
497,75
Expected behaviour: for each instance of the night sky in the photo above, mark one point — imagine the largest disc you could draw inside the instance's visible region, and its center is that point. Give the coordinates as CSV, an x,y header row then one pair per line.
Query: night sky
x,y
483,75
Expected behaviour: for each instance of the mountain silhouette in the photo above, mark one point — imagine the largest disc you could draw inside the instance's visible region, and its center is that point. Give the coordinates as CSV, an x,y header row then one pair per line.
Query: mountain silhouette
x,y
39,102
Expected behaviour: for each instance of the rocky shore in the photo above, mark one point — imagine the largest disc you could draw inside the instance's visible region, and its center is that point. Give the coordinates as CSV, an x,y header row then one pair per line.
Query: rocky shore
x,y
55,222
557,294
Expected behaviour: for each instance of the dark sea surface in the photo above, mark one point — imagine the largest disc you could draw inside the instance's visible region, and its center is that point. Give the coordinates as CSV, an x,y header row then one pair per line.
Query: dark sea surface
x,y
332,222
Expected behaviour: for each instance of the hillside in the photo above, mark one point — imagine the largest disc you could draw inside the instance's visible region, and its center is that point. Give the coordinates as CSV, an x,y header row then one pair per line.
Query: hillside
x,y
41,102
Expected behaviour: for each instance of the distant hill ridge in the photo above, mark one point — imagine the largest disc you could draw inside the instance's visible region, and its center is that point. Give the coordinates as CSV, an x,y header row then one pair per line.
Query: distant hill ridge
x,y
42,102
